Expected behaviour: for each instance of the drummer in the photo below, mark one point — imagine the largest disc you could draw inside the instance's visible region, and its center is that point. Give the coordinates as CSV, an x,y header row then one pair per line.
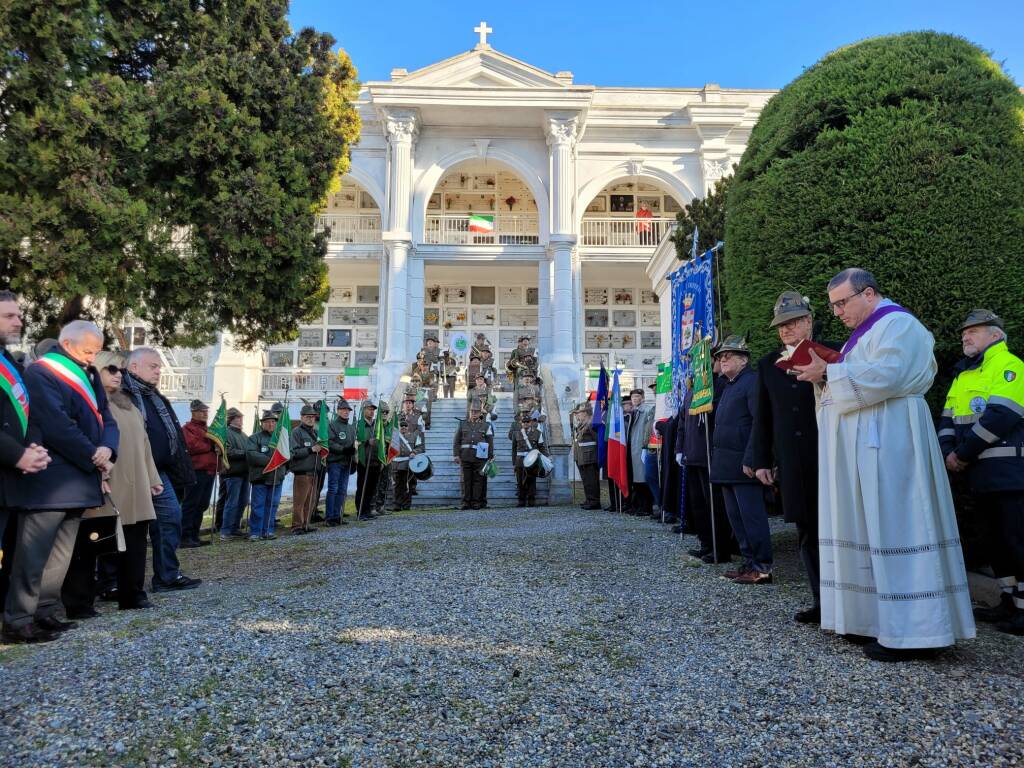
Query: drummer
x,y
410,443
473,446
527,439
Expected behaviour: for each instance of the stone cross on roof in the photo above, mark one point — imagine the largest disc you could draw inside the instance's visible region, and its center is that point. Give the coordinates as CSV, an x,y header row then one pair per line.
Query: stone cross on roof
x,y
483,30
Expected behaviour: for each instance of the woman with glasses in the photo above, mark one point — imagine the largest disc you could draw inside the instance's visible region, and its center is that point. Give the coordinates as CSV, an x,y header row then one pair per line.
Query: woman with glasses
x,y
133,483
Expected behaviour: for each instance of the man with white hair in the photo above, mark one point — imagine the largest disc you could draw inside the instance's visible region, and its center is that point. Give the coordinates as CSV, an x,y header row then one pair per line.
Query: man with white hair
x,y
892,571
170,455
982,434
69,415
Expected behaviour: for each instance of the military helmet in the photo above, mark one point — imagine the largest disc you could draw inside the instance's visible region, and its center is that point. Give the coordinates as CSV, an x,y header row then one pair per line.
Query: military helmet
x,y
733,343
982,317
789,306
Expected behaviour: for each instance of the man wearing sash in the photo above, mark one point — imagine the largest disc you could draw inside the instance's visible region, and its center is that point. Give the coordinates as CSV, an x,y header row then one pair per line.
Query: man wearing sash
x,y
69,415
892,570
17,455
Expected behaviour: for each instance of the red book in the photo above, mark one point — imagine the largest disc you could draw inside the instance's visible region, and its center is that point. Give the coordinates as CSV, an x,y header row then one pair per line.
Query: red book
x,y
801,355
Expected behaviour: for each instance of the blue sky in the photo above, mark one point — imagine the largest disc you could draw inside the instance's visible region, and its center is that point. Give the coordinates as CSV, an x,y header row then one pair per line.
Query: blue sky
x,y
737,43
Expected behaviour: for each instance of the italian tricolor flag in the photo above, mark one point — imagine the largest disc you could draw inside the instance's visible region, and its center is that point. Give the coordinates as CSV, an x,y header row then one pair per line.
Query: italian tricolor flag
x,y
617,454
395,446
482,224
357,383
280,443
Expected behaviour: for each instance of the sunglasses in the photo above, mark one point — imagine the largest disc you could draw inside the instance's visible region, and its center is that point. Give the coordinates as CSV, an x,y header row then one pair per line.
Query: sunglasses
x,y
113,370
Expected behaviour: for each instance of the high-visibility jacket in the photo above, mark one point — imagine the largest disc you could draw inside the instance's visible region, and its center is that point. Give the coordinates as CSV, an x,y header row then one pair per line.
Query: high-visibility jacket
x,y
983,419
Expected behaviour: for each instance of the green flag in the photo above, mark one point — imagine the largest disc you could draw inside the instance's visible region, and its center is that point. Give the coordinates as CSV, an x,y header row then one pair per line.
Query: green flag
x,y
702,386
323,431
663,384
382,433
217,432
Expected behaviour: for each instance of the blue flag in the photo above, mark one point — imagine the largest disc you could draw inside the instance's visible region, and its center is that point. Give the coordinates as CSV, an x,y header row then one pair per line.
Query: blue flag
x,y
693,314
598,420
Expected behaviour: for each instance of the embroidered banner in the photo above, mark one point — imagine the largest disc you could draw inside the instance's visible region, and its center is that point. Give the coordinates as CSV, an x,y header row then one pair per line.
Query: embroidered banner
x,y
693,317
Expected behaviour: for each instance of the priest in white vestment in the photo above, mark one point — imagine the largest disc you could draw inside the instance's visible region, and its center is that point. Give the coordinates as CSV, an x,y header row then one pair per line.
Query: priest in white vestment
x,y
891,563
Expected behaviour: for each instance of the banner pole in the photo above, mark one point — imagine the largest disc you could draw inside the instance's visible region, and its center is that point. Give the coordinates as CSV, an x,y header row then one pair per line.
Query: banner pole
x,y
711,490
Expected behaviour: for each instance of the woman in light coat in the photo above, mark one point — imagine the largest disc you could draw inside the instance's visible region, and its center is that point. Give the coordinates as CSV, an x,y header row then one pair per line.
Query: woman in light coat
x,y
133,483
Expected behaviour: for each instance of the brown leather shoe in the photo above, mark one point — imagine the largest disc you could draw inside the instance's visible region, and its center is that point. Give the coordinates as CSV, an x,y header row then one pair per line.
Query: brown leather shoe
x,y
27,633
743,570
753,577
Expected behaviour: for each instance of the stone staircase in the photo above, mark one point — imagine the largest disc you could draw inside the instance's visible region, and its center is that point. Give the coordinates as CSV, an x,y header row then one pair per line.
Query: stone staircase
x,y
444,489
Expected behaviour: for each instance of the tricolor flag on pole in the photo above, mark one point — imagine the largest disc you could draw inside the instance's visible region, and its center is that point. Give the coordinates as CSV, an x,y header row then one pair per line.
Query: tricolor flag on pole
x,y
617,456
217,432
280,443
357,384
382,435
483,225
395,445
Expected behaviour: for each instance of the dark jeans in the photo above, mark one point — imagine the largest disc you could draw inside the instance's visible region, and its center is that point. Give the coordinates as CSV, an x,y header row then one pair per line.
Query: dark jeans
x,y
807,537
700,497
744,504
236,496
337,488
165,532
197,499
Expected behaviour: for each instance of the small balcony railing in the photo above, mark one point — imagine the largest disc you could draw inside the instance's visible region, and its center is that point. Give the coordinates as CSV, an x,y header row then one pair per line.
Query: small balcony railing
x,y
275,384
624,232
483,229
350,228
183,384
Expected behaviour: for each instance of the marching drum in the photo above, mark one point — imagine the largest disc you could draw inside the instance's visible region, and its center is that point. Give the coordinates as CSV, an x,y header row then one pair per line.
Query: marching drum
x,y
421,467
536,463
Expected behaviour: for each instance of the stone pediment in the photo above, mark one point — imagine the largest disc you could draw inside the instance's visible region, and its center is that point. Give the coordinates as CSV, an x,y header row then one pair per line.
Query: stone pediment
x,y
483,69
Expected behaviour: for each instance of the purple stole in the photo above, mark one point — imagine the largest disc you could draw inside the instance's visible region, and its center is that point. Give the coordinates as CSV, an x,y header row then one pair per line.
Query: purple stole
x,y
866,326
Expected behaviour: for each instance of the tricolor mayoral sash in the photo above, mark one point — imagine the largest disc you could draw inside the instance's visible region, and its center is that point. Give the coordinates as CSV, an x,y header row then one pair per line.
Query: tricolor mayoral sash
x,y
14,388
70,373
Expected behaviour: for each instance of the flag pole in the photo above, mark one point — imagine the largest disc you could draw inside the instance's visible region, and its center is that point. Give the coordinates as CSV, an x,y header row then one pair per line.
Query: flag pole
x,y
248,502
273,485
711,490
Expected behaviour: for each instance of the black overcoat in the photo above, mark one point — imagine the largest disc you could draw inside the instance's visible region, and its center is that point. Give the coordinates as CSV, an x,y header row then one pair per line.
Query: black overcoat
x,y
670,471
786,436
732,444
12,441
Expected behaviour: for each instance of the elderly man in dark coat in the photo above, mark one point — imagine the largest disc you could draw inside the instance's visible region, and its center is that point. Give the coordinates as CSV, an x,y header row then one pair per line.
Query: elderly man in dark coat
x,y
732,461
786,440
17,455
69,415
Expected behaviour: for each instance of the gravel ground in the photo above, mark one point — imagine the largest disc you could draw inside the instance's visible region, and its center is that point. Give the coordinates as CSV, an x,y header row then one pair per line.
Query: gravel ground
x,y
542,637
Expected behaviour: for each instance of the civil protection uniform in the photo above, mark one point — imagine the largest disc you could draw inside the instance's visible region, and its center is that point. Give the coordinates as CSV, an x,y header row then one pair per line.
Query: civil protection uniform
x,y
983,422
468,436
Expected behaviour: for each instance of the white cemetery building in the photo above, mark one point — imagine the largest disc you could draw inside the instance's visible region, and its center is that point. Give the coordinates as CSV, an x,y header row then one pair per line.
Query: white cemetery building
x,y
487,195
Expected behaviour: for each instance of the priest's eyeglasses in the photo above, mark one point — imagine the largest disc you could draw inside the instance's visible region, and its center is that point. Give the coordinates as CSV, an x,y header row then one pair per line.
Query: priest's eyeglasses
x,y
841,303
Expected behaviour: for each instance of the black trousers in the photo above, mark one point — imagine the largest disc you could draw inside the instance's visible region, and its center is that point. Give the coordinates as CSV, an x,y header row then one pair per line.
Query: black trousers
x,y
642,501
591,485
699,499
526,485
403,493
807,539
367,479
474,485
78,592
383,486
1002,515
197,499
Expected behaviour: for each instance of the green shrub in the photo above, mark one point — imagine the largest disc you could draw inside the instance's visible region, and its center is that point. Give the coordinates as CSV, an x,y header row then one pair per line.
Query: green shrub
x,y
903,155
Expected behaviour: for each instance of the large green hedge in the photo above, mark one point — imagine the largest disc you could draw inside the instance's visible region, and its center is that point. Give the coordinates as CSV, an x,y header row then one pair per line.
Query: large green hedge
x,y
903,155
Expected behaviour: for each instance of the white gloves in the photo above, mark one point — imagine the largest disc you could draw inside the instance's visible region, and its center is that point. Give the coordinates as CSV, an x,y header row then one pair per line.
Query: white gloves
x,y
679,459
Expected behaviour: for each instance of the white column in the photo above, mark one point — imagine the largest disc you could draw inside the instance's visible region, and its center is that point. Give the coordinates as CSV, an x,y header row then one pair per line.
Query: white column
x,y
544,307
562,132
416,288
401,127
398,299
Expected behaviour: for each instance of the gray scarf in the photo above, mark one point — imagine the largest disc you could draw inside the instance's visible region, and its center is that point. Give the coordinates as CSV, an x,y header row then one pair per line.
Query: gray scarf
x,y
139,390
